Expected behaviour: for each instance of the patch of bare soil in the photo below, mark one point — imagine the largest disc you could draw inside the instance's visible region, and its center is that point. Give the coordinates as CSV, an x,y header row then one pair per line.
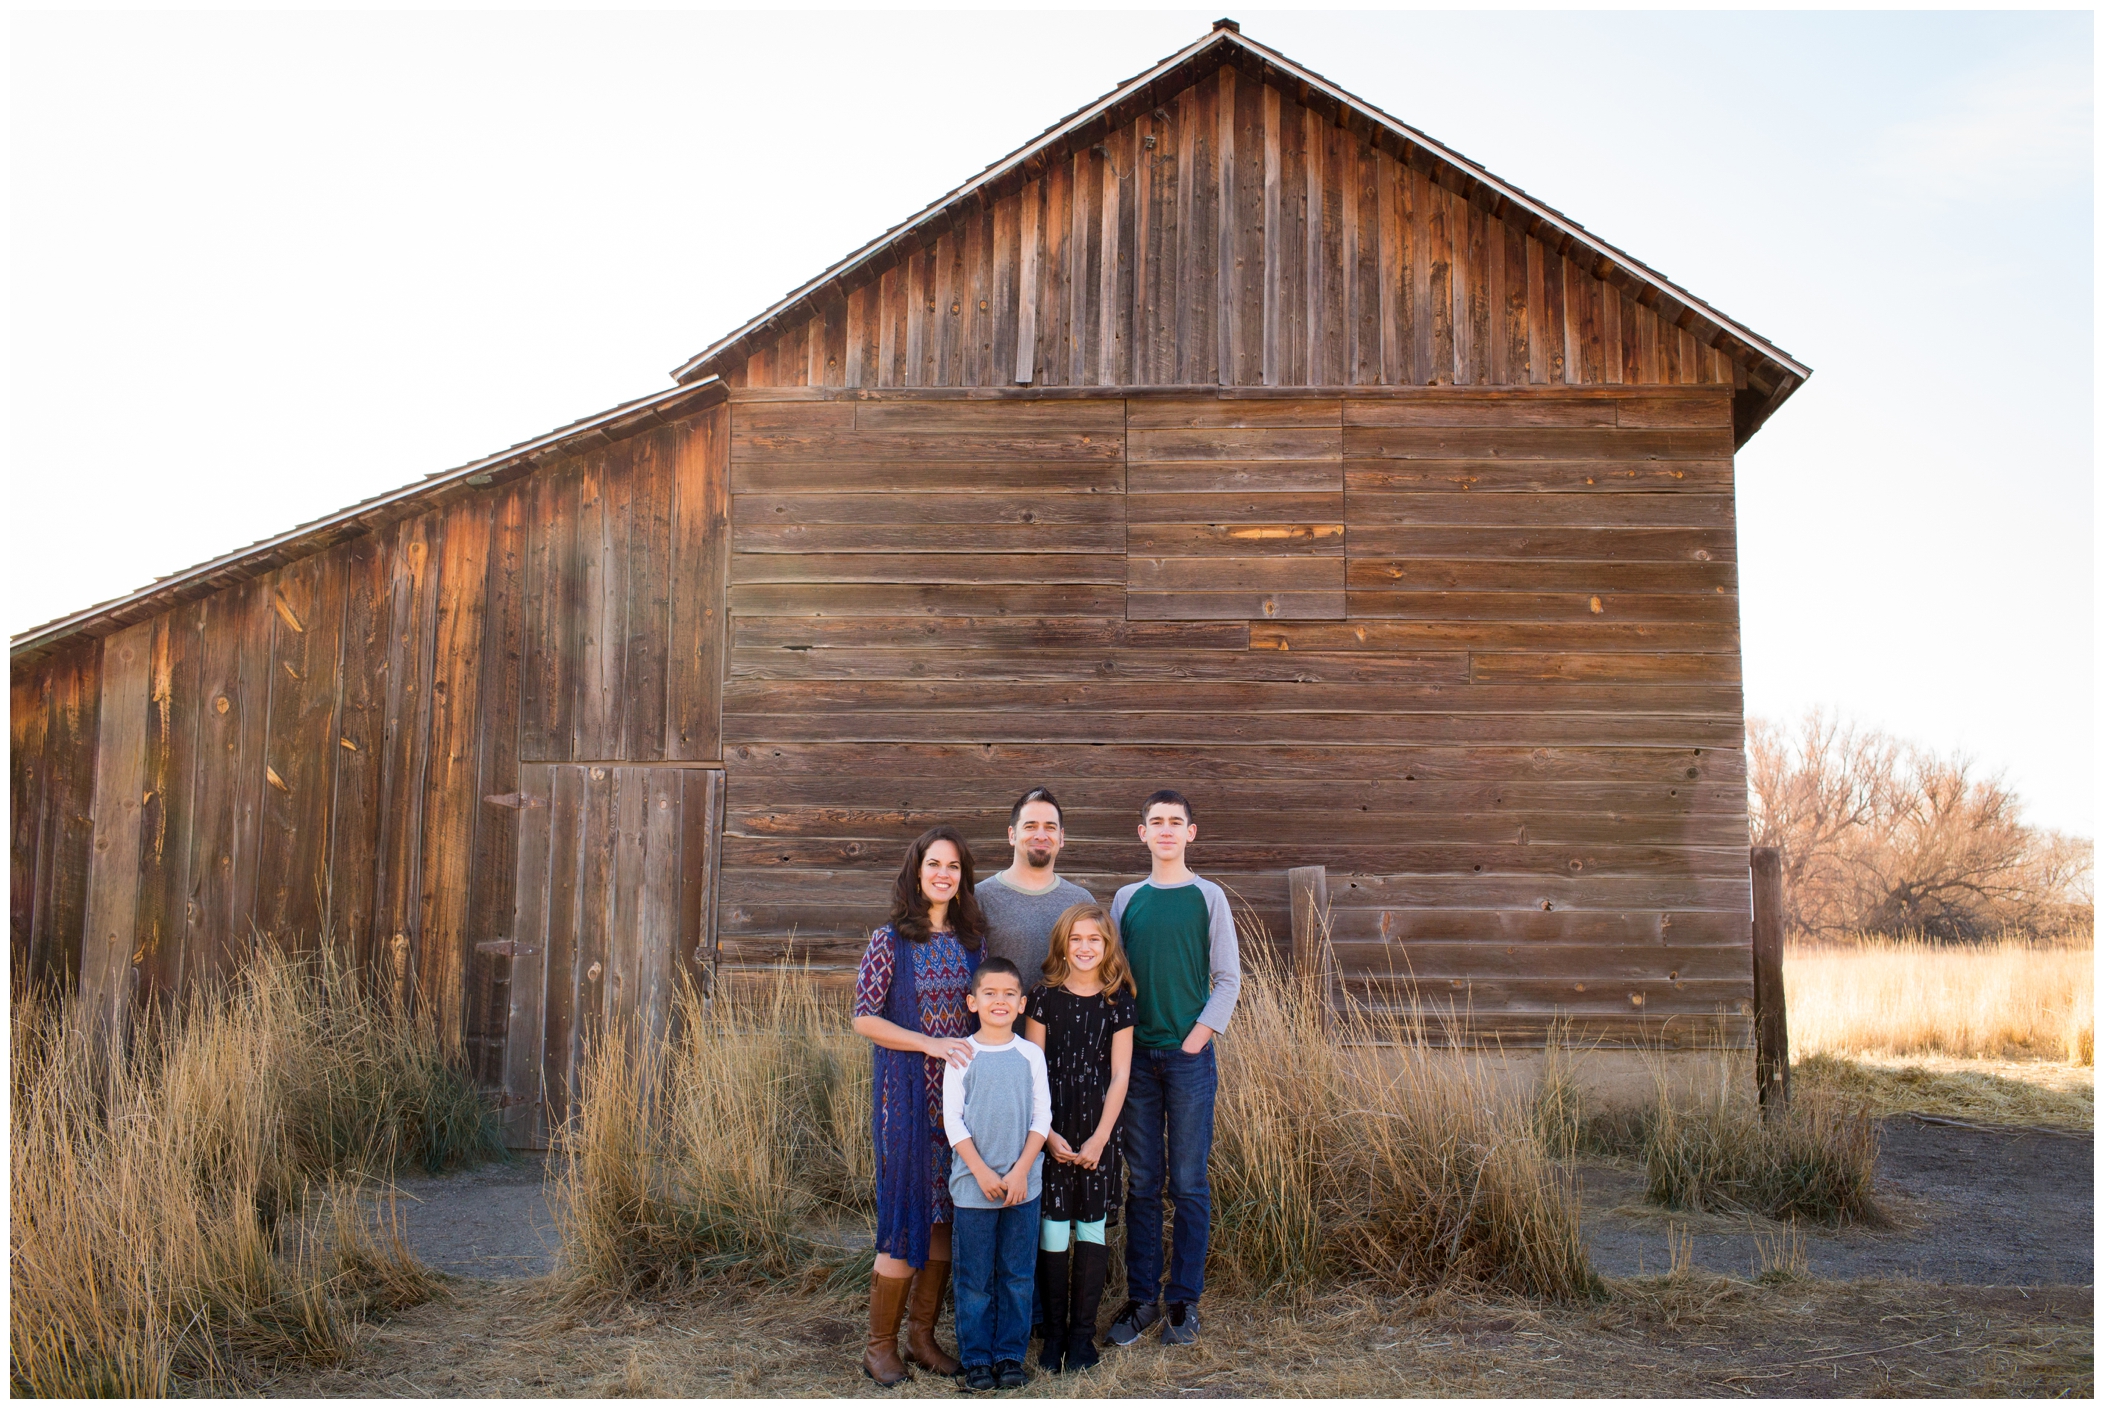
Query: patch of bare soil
x,y
1969,1205
1696,1335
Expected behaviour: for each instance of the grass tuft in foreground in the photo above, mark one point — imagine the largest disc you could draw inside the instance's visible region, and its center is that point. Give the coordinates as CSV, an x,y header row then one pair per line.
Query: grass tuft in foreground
x,y
1813,1160
174,1221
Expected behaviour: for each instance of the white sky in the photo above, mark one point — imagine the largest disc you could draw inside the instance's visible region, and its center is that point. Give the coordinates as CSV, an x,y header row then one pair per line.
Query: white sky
x,y
265,265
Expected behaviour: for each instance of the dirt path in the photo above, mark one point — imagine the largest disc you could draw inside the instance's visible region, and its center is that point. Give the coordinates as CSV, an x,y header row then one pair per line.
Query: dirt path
x,y
1972,1207
491,1222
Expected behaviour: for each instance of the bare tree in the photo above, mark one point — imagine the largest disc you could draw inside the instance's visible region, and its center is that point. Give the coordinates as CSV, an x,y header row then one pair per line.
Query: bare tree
x,y
1812,794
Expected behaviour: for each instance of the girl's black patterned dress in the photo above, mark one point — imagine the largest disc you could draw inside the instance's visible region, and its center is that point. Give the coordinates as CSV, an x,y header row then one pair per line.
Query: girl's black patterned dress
x,y
1077,1064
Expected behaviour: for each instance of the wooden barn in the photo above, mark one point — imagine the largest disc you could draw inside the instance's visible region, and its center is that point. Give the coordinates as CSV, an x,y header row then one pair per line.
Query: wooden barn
x,y
1231,435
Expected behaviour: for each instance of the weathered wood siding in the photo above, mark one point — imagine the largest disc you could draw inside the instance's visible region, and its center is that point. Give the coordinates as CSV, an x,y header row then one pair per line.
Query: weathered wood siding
x,y
1474,650
1232,236
316,749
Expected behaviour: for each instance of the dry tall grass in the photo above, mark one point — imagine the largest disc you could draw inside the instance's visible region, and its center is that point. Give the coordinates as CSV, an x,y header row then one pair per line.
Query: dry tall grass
x,y
1882,996
1351,1150
173,1215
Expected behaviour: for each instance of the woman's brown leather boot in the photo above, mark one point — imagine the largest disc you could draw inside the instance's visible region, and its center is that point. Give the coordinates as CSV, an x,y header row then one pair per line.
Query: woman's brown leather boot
x,y
887,1303
922,1309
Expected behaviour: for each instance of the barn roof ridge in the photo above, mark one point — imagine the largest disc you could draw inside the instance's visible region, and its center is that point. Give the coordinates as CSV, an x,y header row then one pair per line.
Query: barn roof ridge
x,y
1225,42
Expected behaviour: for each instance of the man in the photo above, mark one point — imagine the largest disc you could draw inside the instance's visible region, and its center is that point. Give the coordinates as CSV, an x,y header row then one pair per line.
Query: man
x,y
1180,940
1022,902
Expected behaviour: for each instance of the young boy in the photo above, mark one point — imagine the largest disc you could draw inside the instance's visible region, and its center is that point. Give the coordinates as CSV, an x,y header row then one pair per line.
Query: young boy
x,y
997,1112
1180,940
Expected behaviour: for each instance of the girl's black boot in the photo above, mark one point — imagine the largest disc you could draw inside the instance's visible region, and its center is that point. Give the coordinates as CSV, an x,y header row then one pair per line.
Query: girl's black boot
x,y
1091,1264
1052,1295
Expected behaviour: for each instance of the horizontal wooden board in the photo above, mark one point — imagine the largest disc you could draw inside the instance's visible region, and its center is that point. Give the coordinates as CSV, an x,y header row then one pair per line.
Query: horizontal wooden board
x,y
1593,633
1582,968
1095,416
1235,606
748,417
929,511
955,567
1709,408
1551,699
1532,929
1023,763
1236,477
1712,511
1719,607
1213,540
1487,666
981,632
1213,413
1538,476
1502,412
1114,803
1539,575
1283,574
915,599
937,540
1356,890
776,446
1528,443
1496,996
1234,508
1108,663
1022,726
1222,443
923,477
1626,545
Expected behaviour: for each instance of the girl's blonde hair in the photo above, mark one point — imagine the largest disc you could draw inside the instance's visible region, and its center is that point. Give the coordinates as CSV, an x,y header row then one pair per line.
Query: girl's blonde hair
x,y
1114,971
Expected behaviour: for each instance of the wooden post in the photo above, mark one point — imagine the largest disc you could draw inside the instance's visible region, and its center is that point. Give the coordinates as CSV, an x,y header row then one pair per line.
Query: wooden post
x,y
1771,1027
1309,887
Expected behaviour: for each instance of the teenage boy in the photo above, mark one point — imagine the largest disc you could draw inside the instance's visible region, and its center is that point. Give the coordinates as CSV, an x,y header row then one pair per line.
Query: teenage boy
x,y
1180,940
997,1112
1022,902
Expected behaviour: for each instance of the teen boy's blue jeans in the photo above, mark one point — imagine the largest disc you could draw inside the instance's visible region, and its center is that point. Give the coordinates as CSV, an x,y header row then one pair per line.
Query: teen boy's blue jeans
x,y
1168,1134
993,1259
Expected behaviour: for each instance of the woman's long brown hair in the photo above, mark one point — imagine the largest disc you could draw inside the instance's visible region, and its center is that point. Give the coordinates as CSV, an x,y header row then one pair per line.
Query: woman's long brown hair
x,y
909,908
1113,971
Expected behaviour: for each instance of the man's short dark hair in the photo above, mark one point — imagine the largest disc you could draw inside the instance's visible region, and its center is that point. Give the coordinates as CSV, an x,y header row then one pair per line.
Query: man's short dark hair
x,y
1169,795
995,964
1015,813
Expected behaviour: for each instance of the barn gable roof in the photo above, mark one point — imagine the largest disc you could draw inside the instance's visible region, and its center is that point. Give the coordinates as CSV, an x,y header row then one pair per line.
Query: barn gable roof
x,y
1772,371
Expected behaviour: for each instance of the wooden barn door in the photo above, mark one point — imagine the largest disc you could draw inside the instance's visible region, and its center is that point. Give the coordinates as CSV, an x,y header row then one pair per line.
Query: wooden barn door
x,y
614,905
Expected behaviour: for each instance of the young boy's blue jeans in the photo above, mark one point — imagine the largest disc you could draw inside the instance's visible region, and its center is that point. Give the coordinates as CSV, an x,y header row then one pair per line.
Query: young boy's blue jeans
x,y
993,1259
1168,1134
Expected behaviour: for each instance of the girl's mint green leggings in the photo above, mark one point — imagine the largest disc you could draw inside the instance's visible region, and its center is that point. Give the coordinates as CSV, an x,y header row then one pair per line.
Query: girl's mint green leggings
x,y
1057,1235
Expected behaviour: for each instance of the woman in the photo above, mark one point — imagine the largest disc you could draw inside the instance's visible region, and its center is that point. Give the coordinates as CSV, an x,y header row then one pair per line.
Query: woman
x,y
909,1000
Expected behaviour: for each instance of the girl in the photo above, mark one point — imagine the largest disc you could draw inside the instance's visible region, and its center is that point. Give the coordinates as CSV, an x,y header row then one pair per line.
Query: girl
x,y
1082,1015
909,1001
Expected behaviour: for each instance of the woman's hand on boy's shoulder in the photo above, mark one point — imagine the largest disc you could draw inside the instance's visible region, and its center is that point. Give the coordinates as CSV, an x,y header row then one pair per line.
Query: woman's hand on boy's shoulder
x,y
954,1050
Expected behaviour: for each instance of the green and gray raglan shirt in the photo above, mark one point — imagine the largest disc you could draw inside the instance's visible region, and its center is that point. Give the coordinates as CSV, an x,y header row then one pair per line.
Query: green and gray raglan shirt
x,y
1180,940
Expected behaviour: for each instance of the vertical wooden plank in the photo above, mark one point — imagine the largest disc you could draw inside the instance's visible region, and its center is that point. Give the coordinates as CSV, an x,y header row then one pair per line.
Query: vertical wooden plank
x,y
595,897
66,832
1520,289
358,748
1647,358
1483,255
258,688
450,778
835,347
1145,330
1053,268
700,586
890,349
627,968
1610,304
1112,325
1498,305
1355,356
918,336
1555,338
1004,284
1401,311
701,811
412,639
1339,256
525,1010
1083,271
978,304
106,974
949,312
208,938
1581,326
172,765
566,918
657,917
29,800
1274,340
306,621
1027,284
1538,355
492,886
649,588
1771,1021
856,315
1436,344
549,683
1228,235
1190,249
602,542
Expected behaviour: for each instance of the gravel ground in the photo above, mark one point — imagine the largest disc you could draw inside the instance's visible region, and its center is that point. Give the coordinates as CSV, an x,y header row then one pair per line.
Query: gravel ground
x,y
1973,1207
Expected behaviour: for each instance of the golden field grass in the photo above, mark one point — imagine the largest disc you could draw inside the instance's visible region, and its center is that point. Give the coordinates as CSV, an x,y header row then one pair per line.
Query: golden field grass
x,y
1999,1034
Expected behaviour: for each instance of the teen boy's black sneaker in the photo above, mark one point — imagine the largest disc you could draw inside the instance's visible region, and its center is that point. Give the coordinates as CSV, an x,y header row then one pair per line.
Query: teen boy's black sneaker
x,y
1133,1321
1182,1326
1012,1374
980,1378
